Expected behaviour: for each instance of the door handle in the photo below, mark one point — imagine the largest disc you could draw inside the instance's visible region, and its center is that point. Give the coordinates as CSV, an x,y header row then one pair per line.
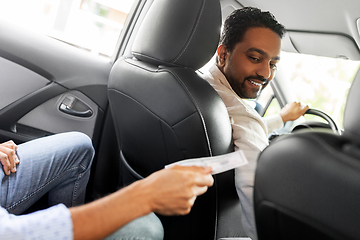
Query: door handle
x,y
67,107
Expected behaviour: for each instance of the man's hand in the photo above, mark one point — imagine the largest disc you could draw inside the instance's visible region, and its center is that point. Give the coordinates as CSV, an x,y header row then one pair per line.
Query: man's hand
x,y
293,111
8,157
173,191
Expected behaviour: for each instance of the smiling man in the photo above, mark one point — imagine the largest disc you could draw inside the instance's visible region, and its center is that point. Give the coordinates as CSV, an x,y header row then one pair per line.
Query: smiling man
x,y
246,62
251,64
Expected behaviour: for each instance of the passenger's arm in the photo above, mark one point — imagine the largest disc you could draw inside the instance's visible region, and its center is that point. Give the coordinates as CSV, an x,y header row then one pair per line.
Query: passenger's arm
x,y
52,223
168,192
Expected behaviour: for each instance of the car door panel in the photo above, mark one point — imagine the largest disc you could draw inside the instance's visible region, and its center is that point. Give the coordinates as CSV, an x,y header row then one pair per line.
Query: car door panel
x,y
37,74
17,82
10,114
59,121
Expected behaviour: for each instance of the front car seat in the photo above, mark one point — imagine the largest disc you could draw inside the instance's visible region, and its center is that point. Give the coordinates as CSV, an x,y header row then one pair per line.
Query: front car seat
x,y
307,184
164,111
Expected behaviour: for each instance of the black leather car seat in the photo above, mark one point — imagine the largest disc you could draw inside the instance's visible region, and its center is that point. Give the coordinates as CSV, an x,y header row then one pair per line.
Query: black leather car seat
x,y
307,184
164,111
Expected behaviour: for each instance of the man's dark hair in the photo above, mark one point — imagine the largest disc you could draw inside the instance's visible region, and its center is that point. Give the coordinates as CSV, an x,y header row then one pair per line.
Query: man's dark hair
x,y
239,21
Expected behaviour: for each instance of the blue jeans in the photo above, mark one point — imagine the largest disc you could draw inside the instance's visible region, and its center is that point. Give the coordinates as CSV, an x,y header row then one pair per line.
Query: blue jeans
x,y
148,227
58,165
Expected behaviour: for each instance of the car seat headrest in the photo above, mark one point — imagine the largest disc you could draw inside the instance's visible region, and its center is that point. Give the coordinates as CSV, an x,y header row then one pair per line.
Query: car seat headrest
x,y
352,111
179,33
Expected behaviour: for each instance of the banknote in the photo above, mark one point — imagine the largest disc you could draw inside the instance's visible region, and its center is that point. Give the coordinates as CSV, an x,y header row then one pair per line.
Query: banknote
x,y
218,164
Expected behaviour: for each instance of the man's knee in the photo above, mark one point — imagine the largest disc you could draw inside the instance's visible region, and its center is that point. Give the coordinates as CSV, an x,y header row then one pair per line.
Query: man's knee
x,y
147,227
81,140
82,145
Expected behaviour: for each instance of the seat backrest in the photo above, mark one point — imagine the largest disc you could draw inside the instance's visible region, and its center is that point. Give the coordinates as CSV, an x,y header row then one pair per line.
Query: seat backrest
x,y
307,184
165,112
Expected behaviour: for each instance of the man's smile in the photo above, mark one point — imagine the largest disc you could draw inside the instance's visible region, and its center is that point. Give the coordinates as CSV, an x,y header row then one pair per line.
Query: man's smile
x,y
255,83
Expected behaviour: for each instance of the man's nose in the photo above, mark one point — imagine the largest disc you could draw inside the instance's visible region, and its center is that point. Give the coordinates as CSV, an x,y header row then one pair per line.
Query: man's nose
x,y
264,70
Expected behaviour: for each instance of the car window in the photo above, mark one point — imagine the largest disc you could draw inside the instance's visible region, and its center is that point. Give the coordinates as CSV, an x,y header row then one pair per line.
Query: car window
x,y
93,25
268,102
321,82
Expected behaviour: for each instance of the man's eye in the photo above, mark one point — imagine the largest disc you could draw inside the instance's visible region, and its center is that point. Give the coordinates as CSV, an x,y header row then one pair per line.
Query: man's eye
x,y
254,59
273,66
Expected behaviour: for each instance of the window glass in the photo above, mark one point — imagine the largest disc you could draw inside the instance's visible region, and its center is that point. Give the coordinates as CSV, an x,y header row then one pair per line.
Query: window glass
x,y
321,82
93,25
269,102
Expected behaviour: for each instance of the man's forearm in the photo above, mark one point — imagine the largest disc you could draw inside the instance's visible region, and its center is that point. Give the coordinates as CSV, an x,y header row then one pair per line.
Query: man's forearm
x,y
169,191
100,218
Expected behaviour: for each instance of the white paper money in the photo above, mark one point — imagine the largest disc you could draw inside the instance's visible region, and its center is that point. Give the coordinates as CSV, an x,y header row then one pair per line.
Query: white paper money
x,y
218,164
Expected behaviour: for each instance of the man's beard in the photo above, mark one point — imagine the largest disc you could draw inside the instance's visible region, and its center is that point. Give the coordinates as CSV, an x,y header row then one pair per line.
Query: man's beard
x,y
239,88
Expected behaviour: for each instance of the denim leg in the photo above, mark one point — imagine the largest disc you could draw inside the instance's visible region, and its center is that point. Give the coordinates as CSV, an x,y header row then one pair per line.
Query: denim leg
x,y
148,227
58,165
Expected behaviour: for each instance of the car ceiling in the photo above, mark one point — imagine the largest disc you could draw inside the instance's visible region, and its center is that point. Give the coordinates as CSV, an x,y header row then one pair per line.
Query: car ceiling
x,y
335,22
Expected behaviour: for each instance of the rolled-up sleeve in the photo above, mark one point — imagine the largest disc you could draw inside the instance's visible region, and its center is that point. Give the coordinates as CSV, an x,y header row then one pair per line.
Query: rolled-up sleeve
x,y
273,122
52,223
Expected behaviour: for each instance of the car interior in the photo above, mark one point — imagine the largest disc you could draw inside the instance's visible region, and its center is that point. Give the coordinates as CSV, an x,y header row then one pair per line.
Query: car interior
x,y
148,106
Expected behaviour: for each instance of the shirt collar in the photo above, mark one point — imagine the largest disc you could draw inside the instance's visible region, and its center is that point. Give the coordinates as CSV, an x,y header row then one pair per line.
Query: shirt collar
x,y
219,76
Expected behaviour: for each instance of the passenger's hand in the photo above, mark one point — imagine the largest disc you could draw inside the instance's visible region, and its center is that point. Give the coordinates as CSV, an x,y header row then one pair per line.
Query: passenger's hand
x,y
8,157
293,111
175,189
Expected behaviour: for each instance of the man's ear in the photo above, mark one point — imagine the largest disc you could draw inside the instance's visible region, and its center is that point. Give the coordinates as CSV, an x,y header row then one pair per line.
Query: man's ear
x,y
222,55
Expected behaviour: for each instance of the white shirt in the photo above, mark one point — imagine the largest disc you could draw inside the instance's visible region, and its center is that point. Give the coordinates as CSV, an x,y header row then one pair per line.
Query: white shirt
x,y
250,134
52,223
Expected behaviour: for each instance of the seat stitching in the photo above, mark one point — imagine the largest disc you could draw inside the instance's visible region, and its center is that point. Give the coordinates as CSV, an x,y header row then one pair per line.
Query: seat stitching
x,y
196,106
193,32
142,105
